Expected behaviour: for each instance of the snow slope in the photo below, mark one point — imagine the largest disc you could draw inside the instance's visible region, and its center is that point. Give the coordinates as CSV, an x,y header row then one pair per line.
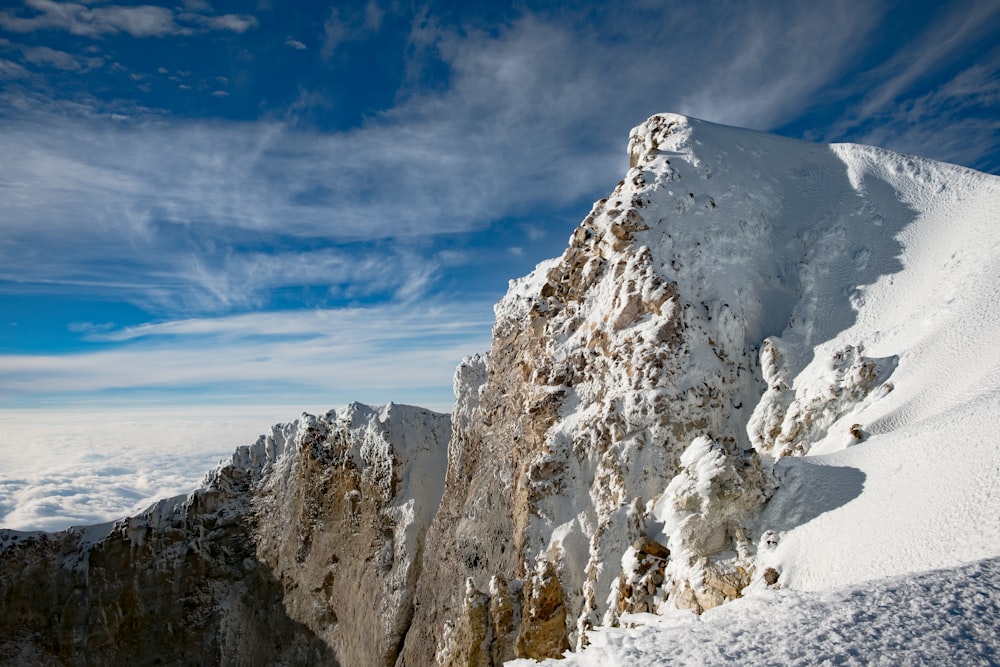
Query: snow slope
x,y
899,257
945,617
929,462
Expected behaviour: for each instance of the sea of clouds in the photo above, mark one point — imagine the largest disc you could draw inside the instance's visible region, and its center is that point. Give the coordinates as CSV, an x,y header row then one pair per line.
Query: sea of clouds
x,y
77,468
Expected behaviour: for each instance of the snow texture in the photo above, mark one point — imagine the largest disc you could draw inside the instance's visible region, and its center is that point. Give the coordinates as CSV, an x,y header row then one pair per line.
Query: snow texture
x,y
943,617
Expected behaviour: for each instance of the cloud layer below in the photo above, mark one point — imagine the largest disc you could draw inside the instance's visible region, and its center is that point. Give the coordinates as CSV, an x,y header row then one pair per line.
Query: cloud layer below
x,y
63,469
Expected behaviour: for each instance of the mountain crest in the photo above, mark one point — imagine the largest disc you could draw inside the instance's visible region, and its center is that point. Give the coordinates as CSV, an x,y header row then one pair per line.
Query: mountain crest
x,y
638,438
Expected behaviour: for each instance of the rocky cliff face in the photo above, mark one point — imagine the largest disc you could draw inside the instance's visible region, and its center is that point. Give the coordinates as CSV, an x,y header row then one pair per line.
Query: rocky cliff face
x,y
610,454
604,368
303,549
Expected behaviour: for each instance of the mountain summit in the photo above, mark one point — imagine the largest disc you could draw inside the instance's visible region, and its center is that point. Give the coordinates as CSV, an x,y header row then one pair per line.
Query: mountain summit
x,y
760,365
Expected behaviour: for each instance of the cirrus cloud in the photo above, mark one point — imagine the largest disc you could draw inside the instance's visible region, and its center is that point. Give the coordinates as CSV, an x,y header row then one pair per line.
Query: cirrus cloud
x,y
134,20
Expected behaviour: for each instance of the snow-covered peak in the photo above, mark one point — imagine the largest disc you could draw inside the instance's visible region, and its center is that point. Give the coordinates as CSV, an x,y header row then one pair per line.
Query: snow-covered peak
x,y
738,298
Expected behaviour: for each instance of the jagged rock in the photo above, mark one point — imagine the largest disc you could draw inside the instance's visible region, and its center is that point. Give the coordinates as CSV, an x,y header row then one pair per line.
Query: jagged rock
x,y
606,364
471,645
303,549
786,422
542,632
647,545
186,591
504,614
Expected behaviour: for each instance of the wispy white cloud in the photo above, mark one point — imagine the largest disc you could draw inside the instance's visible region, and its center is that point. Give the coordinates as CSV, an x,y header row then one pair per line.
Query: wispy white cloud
x,y
169,219
238,23
347,24
43,55
12,70
906,105
963,22
79,19
762,69
939,123
135,20
374,354
295,44
198,6
373,15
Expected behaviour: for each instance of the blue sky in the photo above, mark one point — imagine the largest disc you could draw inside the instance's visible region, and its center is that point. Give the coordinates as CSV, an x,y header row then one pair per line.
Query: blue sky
x,y
311,203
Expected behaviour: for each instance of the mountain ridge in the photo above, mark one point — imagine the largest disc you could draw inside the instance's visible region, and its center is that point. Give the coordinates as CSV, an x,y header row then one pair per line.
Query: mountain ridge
x,y
704,397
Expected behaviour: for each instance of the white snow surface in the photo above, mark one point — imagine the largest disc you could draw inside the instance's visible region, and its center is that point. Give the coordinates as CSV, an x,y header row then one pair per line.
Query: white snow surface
x,y
944,617
841,260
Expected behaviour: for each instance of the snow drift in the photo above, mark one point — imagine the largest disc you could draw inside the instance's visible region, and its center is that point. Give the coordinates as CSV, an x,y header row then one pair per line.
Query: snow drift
x,y
761,369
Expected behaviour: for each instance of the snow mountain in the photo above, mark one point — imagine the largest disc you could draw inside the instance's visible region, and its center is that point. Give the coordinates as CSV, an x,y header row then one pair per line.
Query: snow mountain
x,y
762,370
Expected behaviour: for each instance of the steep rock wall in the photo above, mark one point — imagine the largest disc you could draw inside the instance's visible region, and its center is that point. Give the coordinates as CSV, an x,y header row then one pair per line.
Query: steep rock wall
x,y
603,369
